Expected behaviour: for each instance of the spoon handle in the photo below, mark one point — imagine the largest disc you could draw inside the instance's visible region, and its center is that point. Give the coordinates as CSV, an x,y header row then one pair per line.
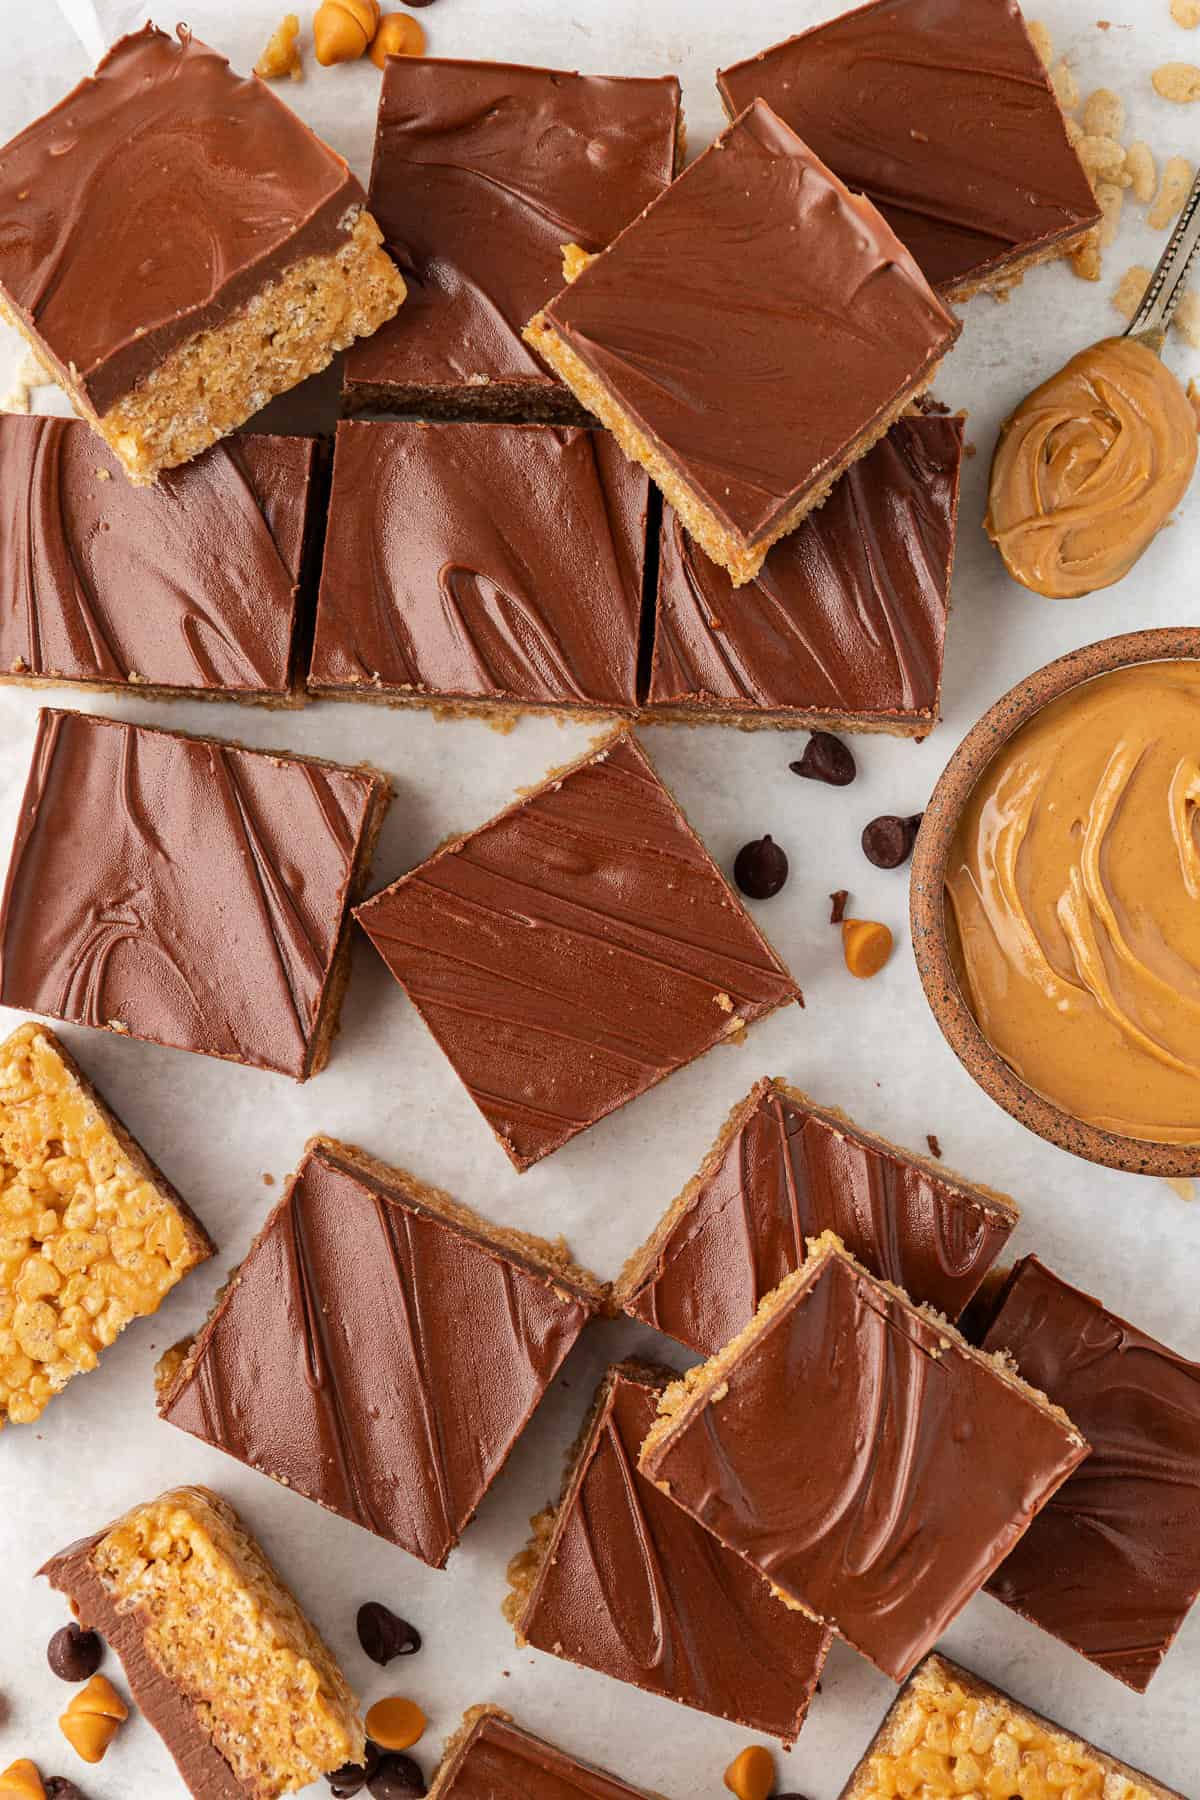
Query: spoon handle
x,y
1165,287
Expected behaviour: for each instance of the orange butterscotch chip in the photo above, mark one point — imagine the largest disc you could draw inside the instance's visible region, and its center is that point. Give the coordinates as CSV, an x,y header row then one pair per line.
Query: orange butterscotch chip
x,y
866,946
751,1774
399,34
21,1781
395,1723
342,29
91,1721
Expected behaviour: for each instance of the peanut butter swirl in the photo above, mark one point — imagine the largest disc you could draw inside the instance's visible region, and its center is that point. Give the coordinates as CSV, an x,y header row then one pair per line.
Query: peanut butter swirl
x,y
1089,468
1074,884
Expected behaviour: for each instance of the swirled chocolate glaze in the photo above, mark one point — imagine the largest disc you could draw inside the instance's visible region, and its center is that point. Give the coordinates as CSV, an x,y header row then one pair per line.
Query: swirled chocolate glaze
x,y
784,1171
441,579
941,112
181,890
1089,468
575,951
1073,889
152,202
496,1759
633,1587
1112,1566
378,1352
482,172
755,322
874,1468
848,613
189,584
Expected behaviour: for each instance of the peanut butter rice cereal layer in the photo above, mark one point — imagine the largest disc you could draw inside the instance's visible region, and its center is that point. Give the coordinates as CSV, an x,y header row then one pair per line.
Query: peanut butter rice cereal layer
x,y
91,1234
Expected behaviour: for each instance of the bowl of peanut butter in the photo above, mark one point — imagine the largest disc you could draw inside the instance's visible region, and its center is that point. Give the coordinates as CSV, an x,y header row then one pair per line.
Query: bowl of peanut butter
x,y
1055,902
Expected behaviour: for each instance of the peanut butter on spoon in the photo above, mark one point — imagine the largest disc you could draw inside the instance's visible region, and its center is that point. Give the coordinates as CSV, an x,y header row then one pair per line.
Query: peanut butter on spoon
x,y
1092,463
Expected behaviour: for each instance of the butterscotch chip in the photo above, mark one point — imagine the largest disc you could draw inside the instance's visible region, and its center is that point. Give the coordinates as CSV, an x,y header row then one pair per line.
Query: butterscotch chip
x,y
281,55
93,1718
395,1723
1173,190
1140,167
751,1774
91,1234
866,946
1127,295
1177,81
21,1781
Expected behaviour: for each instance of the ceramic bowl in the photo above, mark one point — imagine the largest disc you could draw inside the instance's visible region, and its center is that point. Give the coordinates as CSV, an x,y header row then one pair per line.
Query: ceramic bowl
x,y
928,910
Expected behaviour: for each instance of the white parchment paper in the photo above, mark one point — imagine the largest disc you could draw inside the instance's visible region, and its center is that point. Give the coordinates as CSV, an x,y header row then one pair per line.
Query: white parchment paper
x,y
226,1135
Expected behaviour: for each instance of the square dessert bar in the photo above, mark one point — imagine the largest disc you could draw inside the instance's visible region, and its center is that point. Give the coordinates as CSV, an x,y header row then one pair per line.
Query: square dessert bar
x,y
861,1455
217,1653
177,246
1112,1567
576,950
482,171
747,337
93,1235
844,625
616,1578
941,112
189,587
380,1350
946,1726
782,1171
186,891
491,1755
482,568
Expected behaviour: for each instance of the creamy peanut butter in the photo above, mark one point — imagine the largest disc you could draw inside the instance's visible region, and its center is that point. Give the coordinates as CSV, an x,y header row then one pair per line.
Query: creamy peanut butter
x,y
1073,884
1089,468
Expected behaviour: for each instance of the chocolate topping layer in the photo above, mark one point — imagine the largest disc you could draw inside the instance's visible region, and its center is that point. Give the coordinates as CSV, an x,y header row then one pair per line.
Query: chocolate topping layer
x,y
873,1467
575,951
785,1172
378,1353
848,614
179,889
942,113
631,1586
1112,1566
152,202
444,576
482,172
755,322
498,1760
189,584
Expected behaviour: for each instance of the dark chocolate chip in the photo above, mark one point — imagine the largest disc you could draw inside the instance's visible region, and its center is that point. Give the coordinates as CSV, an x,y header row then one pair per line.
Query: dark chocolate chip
x,y
827,759
837,906
75,1654
383,1634
397,1778
59,1788
760,868
430,3
935,1149
888,841
351,1778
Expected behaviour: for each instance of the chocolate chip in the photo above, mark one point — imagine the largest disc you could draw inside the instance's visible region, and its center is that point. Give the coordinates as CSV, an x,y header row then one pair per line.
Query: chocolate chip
x,y
75,1654
397,1778
383,1634
935,1149
827,759
888,841
837,906
59,1788
351,1778
760,868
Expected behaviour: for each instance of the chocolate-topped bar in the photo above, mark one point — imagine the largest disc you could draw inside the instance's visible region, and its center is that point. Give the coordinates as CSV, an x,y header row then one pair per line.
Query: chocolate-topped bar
x,y
782,1171
482,172
576,950
1112,1567
946,1725
442,585
186,891
380,1349
491,1757
188,587
871,1464
844,625
748,337
942,113
616,1578
177,246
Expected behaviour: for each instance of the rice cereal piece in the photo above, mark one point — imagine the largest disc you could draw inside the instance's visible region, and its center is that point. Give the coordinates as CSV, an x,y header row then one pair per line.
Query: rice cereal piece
x,y
1104,113
1172,192
1186,13
1109,198
1178,82
1039,36
1187,320
1142,170
1085,258
1066,88
1127,295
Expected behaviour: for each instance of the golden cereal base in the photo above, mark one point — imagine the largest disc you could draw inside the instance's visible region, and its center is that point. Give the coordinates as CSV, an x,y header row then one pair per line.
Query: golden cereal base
x,y
91,1235
228,1635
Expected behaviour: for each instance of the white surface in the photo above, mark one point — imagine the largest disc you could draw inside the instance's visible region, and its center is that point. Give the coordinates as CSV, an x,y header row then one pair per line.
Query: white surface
x,y
870,1047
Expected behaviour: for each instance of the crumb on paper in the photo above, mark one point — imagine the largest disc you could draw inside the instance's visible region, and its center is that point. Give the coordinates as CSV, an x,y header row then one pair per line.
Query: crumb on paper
x,y
1066,88
1142,172
1178,82
935,1149
268,1180
280,59
1172,192
1127,295
1186,13
837,905
1042,42
970,449
1186,320
1104,113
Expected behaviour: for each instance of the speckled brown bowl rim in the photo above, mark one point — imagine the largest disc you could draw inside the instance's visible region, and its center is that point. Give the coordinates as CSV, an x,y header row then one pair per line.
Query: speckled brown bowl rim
x,y
927,903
